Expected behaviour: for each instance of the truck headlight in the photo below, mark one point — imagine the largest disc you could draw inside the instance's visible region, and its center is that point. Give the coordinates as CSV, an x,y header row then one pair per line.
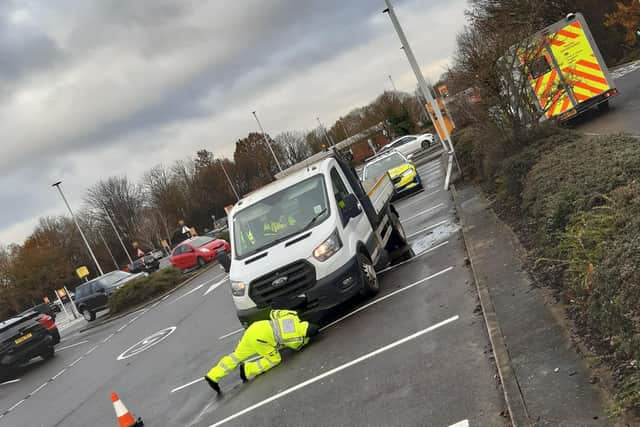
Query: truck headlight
x,y
238,288
328,248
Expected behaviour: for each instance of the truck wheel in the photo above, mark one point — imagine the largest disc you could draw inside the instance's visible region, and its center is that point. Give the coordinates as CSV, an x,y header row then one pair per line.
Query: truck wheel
x,y
399,248
368,276
88,315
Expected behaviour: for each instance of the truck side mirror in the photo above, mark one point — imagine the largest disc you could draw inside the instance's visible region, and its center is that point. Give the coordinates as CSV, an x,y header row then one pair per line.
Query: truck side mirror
x,y
351,207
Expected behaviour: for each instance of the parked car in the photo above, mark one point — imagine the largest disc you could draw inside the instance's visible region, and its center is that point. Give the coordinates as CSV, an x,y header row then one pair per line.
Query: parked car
x,y
148,264
402,172
409,145
21,339
92,297
47,308
197,251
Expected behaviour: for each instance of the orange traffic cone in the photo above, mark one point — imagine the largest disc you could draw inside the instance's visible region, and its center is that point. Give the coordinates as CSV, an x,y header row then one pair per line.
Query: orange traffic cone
x,y
125,419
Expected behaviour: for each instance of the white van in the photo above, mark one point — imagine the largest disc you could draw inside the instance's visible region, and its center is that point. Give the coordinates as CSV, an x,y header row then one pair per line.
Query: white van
x,y
312,239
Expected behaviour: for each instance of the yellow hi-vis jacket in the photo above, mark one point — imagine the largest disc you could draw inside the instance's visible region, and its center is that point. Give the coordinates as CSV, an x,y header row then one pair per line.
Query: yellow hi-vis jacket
x,y
288,330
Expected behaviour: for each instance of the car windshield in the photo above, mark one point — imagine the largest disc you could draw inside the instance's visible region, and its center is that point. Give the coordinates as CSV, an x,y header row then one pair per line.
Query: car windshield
x,y
402,141
378,167
201,241
111,279
280,216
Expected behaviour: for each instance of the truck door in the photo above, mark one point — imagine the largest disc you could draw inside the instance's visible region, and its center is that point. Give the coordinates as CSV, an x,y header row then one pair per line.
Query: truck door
x,y
357,228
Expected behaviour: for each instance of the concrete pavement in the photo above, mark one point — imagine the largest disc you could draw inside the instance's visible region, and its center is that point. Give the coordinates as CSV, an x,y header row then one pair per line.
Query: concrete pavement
x,y
417,354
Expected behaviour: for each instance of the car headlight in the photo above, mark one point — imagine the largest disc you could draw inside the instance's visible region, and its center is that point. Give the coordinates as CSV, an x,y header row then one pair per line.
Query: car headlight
x,y
238,288
205,250
407,172
328,248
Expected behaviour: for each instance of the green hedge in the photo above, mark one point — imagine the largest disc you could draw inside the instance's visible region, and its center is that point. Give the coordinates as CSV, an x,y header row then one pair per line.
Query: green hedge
x,y
143,289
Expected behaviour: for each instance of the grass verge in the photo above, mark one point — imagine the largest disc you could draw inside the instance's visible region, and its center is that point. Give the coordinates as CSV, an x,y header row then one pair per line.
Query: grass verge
x,y
143,289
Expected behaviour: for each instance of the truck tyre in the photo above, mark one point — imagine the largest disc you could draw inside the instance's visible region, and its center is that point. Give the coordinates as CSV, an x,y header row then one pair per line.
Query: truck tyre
x,y
88,315
399,248
368,276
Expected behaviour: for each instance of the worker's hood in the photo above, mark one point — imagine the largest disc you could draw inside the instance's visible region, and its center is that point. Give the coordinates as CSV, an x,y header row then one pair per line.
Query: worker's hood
x,y
397,171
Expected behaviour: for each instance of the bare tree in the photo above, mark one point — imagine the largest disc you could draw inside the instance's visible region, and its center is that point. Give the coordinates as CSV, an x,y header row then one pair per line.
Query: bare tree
x,y
293,146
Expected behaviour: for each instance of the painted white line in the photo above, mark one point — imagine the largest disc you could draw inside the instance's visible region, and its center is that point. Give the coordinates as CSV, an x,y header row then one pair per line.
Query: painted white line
x,y
59,373
375,301
214,286
15,406
419,214
147,343
155,304
11,381
336,370
463,423
135,318
38,389
75,361
187,385
108,338
427,228
91,350
419,198
188,293
237,331
165,297
72,345
431,249
121,328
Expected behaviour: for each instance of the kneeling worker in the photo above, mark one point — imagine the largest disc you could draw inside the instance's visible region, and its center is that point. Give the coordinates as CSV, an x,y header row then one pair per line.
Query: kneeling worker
x,y
264,338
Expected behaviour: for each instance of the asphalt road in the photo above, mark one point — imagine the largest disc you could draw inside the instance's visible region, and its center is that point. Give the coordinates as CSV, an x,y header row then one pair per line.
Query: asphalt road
x,y
625,108
416,355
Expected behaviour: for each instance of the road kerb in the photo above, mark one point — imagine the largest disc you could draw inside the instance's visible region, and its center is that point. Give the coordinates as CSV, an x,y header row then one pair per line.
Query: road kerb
x,y
512,394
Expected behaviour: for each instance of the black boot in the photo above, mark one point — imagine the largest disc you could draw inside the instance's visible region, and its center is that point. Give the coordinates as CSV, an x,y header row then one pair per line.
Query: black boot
x,y
214,385
243,377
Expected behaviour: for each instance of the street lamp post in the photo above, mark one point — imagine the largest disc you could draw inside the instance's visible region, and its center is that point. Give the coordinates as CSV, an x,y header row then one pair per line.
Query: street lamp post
x,y
115,230
426,92
86,242
108,250
264,137
393,85
229,179
324,131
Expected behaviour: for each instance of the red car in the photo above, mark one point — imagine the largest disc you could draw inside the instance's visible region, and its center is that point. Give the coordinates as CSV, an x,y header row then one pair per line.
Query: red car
x,y
198,251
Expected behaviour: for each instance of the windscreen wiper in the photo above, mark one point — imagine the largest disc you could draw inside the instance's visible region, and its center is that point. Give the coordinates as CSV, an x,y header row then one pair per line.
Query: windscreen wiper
x,y
314,219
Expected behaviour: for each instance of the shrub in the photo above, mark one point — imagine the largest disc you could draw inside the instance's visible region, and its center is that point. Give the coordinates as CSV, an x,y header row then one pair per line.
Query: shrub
x,y
143,289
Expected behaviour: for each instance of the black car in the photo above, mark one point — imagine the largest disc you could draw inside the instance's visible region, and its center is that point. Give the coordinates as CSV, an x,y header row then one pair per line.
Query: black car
x,y
92,296
21,339
147,264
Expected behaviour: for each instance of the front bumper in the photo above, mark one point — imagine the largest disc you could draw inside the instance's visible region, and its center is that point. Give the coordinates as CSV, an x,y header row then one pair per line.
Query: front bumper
x,y
328,292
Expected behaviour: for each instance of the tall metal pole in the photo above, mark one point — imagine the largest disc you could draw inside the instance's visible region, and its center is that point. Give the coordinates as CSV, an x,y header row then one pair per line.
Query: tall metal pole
x,y
264,137
229,179
393,85
324,131
115,230
422,83
109,250
86,242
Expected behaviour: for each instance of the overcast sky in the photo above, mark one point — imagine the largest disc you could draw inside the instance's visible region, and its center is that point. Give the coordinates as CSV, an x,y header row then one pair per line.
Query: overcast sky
x,y
113,87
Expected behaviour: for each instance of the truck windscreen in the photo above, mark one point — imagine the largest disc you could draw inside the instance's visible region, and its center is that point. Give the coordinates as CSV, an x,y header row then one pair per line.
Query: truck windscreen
x,y
280,216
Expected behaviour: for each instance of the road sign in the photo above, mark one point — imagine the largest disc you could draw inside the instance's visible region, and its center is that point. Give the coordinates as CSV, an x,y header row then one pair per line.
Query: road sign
x,y
82,272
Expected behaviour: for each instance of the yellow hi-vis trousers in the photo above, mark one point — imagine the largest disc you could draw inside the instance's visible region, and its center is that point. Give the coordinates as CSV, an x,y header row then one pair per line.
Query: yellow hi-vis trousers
x,y
257,340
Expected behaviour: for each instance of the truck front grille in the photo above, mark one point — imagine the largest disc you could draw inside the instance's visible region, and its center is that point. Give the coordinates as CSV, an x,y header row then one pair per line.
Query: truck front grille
x,y
288,281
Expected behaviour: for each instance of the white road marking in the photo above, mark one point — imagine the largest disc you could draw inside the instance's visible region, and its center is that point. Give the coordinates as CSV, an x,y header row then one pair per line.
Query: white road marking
x,y
108,338
336,370
72,345
121,328
38,389
75,361
214,286
91,350
427,228
147,343
463,423
188,293
135,318
15,406
375,301
416,200
187,385
439,205
431,249
155,304
58,374
10,381
165,297
237,331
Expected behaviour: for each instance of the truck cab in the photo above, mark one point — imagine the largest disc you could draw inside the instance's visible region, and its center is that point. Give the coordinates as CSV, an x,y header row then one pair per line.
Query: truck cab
x,y
311,240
